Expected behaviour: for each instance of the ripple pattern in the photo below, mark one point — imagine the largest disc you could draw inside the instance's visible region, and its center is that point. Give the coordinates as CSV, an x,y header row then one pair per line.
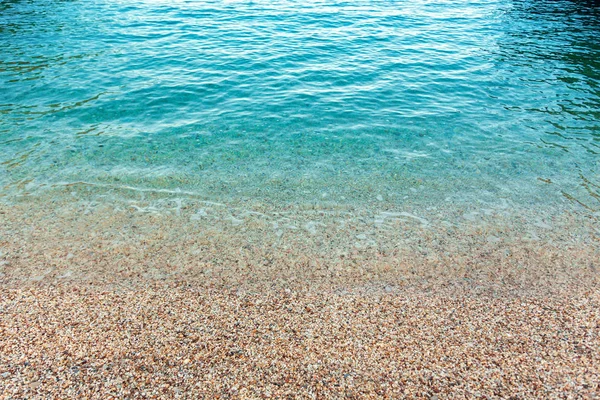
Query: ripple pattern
x,y
288,101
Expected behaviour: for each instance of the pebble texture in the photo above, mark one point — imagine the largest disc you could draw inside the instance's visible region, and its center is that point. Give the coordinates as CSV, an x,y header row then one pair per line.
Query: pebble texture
x,y
183,341
101,303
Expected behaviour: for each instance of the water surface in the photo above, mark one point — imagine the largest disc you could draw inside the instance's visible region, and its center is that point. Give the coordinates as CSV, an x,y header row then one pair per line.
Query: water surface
x,y
377,106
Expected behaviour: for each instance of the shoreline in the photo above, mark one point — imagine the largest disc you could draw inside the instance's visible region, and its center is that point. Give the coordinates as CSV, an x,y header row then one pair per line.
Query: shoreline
x,y
117,303
61,240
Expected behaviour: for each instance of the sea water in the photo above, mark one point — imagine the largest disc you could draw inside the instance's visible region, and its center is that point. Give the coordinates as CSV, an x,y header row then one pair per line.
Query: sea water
x,y
376,110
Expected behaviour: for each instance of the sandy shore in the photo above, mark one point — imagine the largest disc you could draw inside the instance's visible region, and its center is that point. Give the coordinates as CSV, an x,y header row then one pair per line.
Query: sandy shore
x,y
117,303
179,341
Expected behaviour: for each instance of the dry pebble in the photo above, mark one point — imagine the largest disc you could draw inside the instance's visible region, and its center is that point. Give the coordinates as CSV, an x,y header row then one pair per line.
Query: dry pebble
x,y
181,341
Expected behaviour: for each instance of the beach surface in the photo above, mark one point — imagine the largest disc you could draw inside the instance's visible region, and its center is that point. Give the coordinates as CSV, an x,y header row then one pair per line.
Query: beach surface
x,y
124,304
374,342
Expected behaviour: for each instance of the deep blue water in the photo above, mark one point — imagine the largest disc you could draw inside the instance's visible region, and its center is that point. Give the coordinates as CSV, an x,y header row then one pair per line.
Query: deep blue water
x,y
298,101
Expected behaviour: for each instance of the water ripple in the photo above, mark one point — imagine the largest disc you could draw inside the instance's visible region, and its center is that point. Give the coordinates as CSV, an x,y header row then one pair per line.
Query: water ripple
x,y
346,97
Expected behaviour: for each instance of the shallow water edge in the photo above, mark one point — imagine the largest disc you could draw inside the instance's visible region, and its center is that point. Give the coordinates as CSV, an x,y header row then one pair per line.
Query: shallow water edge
x,y
59,239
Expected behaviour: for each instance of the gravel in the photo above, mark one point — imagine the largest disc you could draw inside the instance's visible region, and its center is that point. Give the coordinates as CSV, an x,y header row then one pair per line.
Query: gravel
x,y
183,341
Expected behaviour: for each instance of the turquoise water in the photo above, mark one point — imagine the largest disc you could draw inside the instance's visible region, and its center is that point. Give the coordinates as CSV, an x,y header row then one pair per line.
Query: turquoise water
x,y
291,102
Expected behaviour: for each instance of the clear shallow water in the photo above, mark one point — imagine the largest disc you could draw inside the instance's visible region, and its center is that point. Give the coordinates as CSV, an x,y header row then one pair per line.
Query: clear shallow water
x,y
292,102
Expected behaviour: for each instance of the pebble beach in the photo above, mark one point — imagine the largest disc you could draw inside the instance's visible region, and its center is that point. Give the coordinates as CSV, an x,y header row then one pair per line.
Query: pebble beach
x,y
184,342
83,316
